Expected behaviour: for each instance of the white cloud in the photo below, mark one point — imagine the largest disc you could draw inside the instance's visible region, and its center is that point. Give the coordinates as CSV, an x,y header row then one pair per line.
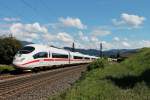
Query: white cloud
x,y
126,44
107,45
133,20
94,39
129,19
116,38
145,43
60,39
4,25
65,37
35,32
11,19
117,23
49,37
35,27
91,41
28,39
130,44
4,32
100,32
26,31
4,29
83,37
72,22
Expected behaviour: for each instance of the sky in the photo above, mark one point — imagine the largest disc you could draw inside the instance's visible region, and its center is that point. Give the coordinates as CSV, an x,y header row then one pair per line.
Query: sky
x,y
117,24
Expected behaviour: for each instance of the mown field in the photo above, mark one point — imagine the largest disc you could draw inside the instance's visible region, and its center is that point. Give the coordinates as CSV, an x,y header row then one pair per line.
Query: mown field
x,y
128,80
6,68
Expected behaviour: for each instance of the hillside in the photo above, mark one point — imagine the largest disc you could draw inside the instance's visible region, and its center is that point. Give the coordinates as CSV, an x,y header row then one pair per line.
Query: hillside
x,y
108,53
128,80
25,43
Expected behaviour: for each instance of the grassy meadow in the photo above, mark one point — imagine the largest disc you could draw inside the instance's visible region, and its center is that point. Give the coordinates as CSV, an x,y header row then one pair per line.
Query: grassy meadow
x,y
128,80
6,68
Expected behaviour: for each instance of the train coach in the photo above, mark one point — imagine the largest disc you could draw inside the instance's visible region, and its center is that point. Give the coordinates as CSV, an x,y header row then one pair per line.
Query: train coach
x,y
36,56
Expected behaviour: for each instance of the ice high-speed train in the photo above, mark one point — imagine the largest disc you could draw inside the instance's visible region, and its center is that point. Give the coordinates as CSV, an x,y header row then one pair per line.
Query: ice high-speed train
x,y
36,56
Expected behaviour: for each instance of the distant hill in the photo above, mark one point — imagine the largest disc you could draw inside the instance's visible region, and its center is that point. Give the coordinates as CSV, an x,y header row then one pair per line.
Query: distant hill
x,y
25,43
108,53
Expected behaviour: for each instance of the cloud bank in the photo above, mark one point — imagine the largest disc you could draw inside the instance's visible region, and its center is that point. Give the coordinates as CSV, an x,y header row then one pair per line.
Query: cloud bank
x,y
132,20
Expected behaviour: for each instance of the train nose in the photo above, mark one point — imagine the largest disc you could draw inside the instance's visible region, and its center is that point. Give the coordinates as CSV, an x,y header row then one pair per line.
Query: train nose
x,y
18,61
18,65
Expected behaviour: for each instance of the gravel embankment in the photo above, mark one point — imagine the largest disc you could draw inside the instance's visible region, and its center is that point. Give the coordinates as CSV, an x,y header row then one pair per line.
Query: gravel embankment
x,y
45,90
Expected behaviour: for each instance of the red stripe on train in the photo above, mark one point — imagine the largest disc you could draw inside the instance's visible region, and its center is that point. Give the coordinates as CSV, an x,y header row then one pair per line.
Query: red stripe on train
x,y
48,59
56,59
31,62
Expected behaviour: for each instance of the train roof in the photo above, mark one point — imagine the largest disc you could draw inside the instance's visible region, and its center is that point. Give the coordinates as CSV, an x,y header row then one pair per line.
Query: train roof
x,y
48,48
40,47
57,50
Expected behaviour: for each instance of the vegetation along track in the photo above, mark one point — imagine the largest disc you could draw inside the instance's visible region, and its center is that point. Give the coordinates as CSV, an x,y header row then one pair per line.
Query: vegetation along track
x,y
12,87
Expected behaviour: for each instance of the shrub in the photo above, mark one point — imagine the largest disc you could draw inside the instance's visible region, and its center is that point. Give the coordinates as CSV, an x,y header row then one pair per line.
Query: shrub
x,y
99,63
8,48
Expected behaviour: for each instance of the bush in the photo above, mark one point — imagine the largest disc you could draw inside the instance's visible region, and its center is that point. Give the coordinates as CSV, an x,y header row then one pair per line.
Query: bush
x,y
8,48
99,63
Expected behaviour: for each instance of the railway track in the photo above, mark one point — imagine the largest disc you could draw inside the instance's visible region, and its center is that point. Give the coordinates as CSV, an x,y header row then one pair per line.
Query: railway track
x,y
9,76
12,87
18,74
6,76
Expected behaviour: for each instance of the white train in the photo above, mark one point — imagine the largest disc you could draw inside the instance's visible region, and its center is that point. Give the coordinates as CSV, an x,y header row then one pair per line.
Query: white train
x,y
36,56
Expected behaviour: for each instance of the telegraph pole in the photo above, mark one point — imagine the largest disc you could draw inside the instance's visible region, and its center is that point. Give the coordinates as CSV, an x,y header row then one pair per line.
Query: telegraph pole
x,y
11,35
73,47
101,47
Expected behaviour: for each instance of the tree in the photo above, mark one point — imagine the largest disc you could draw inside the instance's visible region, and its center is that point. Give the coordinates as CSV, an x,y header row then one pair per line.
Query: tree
x,y
8,48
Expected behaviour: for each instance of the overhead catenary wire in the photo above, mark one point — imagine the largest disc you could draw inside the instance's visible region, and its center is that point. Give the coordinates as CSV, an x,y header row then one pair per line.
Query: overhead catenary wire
x,y
47,7
14,11
33,9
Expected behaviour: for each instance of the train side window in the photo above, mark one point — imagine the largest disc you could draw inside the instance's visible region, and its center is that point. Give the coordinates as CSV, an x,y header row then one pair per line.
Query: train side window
x,y
86,58
40,55
56,55
26,50
77,57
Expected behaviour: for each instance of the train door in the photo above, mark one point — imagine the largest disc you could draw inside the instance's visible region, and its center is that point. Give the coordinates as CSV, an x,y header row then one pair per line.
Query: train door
x,y
42,58
50,60
69,58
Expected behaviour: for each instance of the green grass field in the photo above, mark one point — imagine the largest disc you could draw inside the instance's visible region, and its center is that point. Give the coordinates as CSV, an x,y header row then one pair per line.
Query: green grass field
x,y
128,80
6,68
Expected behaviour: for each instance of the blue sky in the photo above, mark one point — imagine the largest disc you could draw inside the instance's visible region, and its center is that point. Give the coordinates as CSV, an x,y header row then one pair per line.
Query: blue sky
x,y
115,23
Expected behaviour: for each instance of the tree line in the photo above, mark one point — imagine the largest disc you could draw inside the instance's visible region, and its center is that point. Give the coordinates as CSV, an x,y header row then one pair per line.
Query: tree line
x,y
8,48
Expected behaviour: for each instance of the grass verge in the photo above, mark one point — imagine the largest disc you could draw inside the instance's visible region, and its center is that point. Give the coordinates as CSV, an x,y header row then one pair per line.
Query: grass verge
x,y
128,80
6,68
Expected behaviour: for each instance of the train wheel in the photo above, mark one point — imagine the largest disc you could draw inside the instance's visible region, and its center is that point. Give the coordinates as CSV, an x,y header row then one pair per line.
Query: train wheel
x,y
36,70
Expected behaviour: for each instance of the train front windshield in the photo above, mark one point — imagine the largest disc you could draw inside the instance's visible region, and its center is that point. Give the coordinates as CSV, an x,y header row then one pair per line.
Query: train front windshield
x,y
26,50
